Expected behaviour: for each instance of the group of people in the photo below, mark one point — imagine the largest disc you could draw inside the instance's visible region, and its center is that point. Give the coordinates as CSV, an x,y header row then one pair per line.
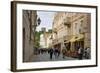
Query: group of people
x,y
83,53
55,51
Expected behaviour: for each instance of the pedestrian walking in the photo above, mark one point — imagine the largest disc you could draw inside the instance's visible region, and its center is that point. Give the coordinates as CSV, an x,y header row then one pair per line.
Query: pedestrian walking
x,y
58,52
51,53
63,53
87,53
55,52
80,53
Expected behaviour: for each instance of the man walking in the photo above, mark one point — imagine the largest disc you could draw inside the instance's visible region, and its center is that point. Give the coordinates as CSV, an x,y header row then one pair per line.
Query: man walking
x,y
51,53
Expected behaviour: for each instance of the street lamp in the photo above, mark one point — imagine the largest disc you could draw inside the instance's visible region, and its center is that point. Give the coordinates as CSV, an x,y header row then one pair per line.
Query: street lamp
x,y
38,21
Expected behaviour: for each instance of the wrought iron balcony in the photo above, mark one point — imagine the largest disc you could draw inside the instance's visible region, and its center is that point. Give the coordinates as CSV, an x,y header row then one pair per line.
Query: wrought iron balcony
x,y
67,22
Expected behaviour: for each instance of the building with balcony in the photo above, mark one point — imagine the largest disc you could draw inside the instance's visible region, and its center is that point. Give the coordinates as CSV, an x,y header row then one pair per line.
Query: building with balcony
x,y
71,30
81,30
61,29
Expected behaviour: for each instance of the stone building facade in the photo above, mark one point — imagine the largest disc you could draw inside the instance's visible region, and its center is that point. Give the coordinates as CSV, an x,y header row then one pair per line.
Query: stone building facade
x,y
71,30
29,20
81,30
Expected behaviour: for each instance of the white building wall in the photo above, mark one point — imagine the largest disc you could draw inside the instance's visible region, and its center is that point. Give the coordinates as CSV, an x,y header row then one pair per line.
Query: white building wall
x,y
42,41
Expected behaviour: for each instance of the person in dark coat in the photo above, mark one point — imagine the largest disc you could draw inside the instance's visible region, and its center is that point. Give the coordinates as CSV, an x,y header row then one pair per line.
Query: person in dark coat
x,y
51,53
56,52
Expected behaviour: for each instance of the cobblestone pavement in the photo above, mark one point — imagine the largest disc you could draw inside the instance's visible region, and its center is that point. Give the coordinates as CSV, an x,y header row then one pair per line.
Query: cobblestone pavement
x,y
46,57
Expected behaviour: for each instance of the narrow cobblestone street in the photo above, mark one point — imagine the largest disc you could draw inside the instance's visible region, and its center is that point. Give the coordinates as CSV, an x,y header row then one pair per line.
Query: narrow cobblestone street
x,y
57,33
46,57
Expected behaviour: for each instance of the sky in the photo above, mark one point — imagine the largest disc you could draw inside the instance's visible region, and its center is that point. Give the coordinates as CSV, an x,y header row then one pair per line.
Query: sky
x,y
46,19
